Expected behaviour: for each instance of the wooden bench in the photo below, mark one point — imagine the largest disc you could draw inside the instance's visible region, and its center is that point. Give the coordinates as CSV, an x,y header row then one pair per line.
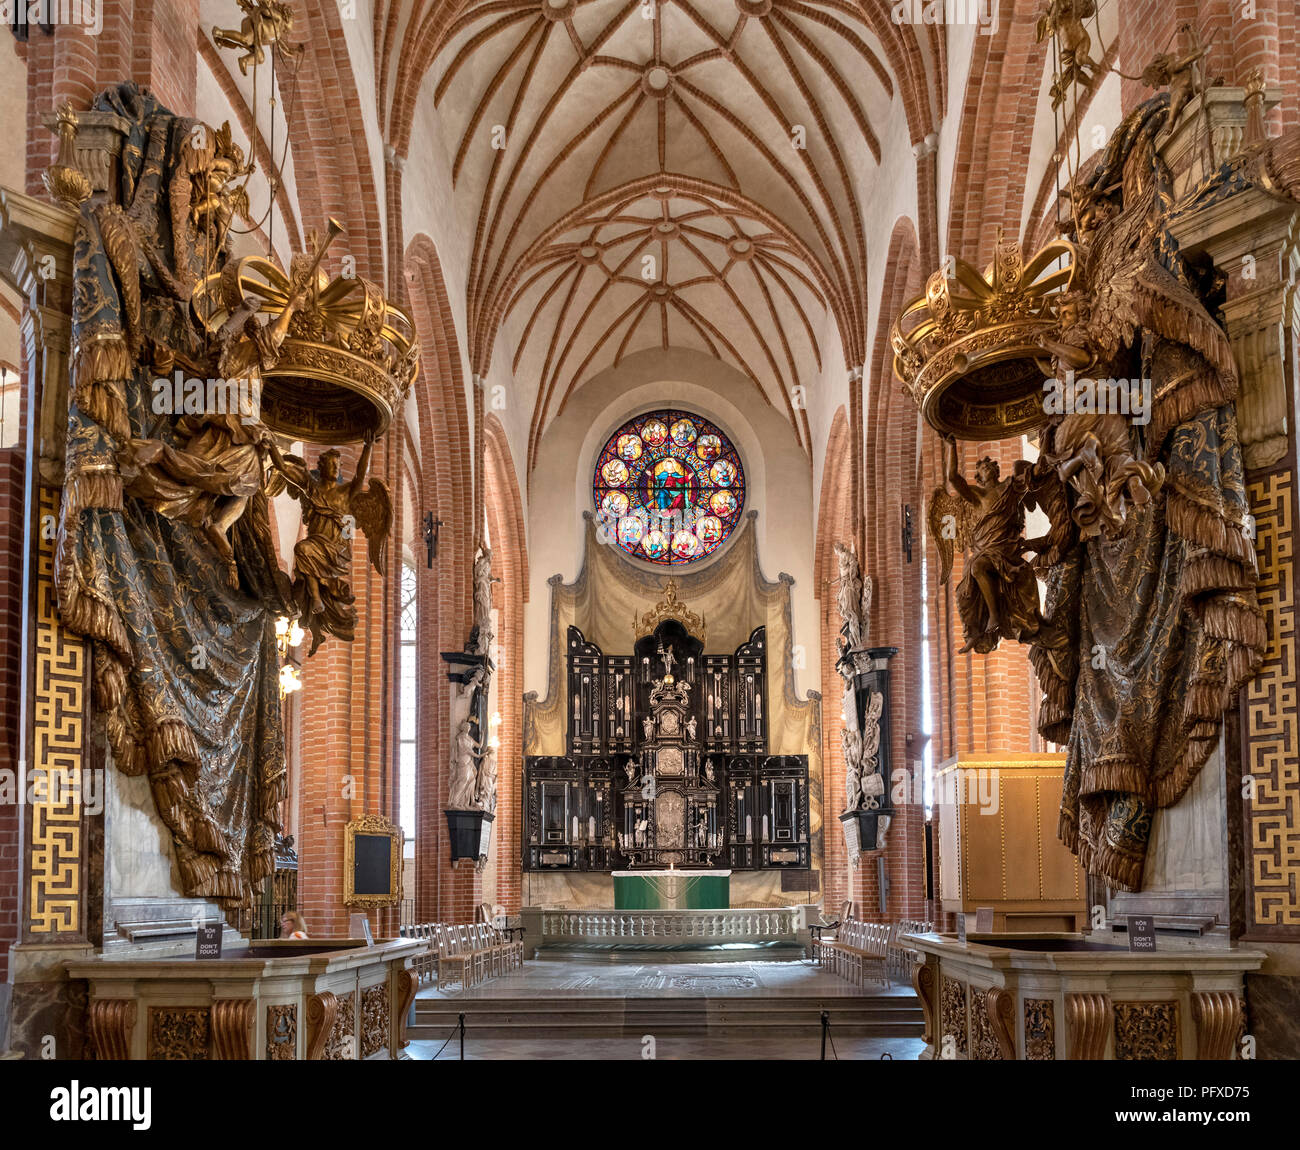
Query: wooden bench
x,y
861,950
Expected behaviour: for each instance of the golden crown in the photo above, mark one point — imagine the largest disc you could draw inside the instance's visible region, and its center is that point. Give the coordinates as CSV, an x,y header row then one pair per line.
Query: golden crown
x,y
670,607
967,351
338,358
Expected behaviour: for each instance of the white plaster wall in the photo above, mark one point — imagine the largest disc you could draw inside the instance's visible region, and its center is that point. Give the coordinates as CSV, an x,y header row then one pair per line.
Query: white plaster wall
x,y
429,206
777,472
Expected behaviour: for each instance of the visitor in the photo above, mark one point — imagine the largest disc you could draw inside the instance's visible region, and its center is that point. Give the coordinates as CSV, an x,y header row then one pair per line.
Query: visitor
x,y
292,925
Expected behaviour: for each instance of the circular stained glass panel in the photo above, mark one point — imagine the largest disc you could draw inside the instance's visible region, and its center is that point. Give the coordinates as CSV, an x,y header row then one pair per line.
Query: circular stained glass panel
x,y
669,488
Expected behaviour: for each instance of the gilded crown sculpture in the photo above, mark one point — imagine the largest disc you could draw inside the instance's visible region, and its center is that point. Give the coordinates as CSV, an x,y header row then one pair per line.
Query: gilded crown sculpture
x,y
968,350
337,359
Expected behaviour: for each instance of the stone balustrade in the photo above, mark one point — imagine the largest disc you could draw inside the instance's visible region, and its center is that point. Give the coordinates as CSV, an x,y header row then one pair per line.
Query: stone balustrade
x,y
735,925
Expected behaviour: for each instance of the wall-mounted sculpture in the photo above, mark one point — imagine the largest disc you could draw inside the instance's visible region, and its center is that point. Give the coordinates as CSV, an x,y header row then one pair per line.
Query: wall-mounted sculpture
x,y
185,364
1106,349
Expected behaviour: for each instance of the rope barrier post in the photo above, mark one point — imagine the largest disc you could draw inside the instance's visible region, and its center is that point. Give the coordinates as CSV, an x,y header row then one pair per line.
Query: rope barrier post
x,y
826,1026
462,1037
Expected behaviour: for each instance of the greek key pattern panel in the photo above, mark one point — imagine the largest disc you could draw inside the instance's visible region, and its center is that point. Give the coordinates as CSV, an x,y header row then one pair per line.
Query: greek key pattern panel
x,y
1272,728
58,748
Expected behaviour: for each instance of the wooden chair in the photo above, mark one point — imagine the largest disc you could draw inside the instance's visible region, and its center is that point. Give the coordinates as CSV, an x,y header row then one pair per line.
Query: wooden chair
x,y
454,963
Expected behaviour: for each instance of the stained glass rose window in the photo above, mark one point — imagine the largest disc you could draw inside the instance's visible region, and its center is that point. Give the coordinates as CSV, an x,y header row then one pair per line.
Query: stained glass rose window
x,y
669,488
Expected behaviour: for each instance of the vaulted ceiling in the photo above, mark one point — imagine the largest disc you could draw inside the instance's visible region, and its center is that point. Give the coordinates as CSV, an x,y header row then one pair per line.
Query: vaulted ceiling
x,y
691,173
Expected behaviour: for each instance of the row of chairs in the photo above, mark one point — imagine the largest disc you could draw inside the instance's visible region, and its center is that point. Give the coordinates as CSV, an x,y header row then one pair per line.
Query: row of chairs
x,y
859,950
900,956
464,954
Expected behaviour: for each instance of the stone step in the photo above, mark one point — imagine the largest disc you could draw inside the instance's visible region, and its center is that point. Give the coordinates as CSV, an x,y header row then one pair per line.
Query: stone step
x,y
897,1016
670,952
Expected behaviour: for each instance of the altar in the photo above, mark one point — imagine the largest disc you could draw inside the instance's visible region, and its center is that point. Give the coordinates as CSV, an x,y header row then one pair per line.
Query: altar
x,y
672,890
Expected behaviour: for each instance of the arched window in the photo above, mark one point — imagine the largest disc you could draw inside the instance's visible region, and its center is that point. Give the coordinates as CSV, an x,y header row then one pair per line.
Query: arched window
x,y
669,487
407,706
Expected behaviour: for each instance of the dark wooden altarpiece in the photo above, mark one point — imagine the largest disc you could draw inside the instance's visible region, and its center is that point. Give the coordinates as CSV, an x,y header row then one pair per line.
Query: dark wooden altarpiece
x,y
702,790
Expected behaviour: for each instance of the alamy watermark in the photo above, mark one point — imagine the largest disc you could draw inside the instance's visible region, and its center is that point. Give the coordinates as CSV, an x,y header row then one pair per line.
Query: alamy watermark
x,y
88,15
180,395
981,13
1084,396
59,788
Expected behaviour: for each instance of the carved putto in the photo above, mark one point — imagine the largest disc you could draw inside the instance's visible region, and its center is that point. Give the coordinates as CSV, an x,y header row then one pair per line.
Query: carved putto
x,y
265,25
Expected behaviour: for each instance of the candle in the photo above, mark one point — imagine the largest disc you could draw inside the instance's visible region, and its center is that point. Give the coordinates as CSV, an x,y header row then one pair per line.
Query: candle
x,y
749,827
575,828
591,828
765,828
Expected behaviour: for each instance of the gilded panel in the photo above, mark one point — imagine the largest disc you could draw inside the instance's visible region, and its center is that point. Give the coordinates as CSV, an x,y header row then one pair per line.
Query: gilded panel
x,y
1272,725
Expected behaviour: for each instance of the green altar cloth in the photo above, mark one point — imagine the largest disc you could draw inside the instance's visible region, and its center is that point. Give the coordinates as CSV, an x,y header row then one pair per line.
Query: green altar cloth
x,y
672,890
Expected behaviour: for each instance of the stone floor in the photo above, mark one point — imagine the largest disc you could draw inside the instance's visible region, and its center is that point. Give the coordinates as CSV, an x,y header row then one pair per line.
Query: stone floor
x,y
668,980
778,983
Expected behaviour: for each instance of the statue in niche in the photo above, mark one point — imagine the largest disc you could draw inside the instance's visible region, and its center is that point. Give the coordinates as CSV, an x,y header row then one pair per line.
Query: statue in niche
x,y
322,561
668,658
708,770
691,724
998,595
464,789
632,769
648,725
265,25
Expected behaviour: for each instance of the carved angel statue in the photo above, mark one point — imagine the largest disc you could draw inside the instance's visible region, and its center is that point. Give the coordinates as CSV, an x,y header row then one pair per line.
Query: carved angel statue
x,y
322,562
265,25
1064,19
998,595
464,769
476,679
854,594
483,580
486,796
206,476
1092,449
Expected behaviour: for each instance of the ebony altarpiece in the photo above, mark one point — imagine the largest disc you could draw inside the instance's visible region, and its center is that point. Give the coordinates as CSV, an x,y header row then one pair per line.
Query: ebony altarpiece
x,y
667,764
